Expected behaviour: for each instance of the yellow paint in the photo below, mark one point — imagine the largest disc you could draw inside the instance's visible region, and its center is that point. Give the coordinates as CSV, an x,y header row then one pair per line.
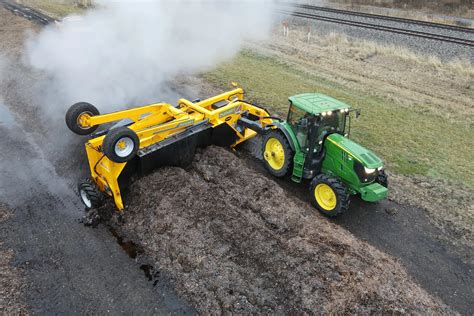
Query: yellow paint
x,y
274,154
325,196
156,122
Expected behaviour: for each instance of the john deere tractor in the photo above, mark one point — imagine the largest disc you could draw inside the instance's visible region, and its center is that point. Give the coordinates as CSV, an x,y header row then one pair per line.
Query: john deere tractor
x,y
312,144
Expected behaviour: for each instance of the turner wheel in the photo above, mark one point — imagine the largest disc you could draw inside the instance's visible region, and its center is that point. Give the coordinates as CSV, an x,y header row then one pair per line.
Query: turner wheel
x,y
277,154
90,194
121,144
329,195
76,113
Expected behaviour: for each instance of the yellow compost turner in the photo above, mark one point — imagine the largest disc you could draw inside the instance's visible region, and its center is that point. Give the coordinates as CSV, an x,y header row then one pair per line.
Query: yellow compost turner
x,y
157,134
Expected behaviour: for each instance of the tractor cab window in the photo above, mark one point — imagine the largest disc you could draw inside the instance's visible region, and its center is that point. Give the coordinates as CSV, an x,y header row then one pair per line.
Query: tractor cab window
x,y
333,123
298,119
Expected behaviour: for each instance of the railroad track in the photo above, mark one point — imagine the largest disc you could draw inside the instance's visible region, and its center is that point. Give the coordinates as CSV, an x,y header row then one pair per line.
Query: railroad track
x,y
385,28
383,17
26,12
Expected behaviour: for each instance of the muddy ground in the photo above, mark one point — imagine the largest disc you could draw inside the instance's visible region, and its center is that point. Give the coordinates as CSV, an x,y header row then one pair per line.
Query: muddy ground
x,y
67,267
235,241
11,279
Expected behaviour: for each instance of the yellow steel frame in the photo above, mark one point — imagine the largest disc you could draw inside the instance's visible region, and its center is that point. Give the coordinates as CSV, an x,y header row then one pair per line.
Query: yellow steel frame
x,y
156,122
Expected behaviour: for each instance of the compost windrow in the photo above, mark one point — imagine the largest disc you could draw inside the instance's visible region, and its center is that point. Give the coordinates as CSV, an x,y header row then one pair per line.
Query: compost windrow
x,y
234,241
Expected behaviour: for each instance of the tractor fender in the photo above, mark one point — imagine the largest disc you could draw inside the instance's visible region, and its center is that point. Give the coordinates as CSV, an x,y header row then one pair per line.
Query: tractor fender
x,y
290,136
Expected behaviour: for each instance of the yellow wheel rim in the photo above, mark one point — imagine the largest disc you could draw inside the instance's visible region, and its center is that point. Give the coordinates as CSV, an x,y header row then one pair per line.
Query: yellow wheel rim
x,y
121,144
82,119
325,196
274,153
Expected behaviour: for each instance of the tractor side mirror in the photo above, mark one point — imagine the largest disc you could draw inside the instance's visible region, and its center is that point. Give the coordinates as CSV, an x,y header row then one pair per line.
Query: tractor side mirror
x,y
357,114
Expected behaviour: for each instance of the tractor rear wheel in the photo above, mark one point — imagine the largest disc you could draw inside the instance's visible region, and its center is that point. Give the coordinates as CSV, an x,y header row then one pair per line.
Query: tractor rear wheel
x,y
90,194
76,115
277,153
329,195
121,144
382,178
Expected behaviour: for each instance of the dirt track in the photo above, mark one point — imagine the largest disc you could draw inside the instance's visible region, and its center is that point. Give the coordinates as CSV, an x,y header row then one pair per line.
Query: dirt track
x,y
68,267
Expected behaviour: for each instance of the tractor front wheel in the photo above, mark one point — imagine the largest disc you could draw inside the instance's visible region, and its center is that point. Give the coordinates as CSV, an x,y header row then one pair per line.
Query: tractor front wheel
x,y
277,153
329,195
77,114
90,194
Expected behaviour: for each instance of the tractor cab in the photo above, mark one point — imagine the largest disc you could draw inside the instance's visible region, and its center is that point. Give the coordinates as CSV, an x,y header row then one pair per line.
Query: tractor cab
x,y
313,116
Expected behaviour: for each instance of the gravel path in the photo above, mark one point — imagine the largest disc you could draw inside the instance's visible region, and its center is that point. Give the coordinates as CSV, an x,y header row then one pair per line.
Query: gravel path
x,y
441,49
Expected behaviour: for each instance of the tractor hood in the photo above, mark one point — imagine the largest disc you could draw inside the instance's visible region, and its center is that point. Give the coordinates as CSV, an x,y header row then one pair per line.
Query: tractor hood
x,y
359,153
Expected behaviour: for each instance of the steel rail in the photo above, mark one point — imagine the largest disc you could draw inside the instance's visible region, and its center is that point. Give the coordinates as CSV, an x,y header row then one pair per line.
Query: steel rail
x,y
382,17
29,13
431,36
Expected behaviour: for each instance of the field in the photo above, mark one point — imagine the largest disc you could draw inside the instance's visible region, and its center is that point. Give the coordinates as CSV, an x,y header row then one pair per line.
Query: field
x,y
416,111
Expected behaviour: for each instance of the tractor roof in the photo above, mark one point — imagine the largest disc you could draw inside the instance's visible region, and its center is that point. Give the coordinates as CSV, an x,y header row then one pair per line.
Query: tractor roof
x,y
316,103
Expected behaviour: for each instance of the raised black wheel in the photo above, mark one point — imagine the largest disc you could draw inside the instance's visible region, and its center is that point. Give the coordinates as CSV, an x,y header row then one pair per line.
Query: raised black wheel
x,y
90,194
382,178
75,117
121,144
329,195
277,153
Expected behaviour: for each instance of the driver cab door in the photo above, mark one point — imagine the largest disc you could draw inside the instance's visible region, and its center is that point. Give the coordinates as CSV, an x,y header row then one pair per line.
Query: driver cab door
x,y
299,121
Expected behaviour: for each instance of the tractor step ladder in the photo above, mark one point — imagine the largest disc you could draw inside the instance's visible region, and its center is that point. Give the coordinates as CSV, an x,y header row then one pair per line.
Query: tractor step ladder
x,y
298,163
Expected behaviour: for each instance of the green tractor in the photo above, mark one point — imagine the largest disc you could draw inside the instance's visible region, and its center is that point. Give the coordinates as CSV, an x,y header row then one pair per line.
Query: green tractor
x,y
313,144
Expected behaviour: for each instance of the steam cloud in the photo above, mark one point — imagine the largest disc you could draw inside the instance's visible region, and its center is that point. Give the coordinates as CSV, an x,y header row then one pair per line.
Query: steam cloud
x,y
125,51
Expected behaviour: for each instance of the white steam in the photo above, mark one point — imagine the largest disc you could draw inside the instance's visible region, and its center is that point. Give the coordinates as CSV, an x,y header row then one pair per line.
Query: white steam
x,y
125,51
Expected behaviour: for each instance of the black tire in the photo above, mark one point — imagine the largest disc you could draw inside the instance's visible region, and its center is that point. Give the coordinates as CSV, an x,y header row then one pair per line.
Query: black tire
x,y
288,153
90,194
382,178
117,135
75,112
342,196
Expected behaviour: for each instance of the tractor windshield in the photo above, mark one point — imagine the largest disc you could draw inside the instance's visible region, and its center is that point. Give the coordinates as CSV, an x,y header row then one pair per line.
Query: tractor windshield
x,y
334,123
301,120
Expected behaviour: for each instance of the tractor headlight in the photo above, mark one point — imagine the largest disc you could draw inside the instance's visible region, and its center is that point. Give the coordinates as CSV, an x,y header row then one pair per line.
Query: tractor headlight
x,y
323,113
329,112
380,168
369,170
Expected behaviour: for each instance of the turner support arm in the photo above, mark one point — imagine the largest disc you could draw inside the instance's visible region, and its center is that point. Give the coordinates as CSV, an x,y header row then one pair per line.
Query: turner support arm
x,y
135,114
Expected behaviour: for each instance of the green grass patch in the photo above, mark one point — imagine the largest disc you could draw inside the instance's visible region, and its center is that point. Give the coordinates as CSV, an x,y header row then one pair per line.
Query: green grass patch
x,y
411,142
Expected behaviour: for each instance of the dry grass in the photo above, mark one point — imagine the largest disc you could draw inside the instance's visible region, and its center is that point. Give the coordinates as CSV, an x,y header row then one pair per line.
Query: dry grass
x,y
462,67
